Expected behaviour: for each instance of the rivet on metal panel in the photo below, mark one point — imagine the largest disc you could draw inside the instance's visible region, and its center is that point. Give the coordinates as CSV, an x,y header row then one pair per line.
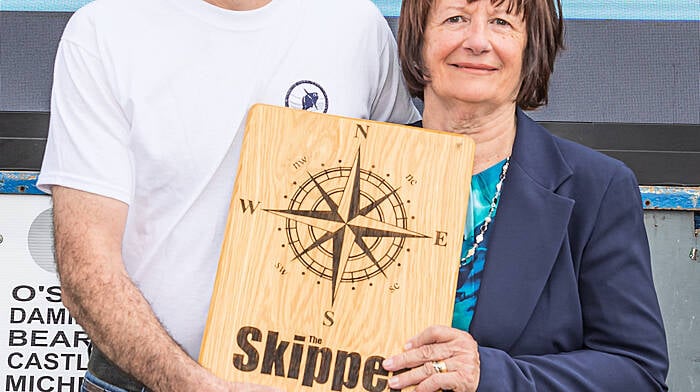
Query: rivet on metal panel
x,y
693,254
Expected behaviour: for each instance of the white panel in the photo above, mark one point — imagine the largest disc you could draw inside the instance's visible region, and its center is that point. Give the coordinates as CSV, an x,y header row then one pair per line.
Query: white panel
x,y
41,346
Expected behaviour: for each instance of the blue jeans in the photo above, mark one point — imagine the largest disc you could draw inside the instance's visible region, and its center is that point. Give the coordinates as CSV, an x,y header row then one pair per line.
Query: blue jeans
x,y
94,384
104,376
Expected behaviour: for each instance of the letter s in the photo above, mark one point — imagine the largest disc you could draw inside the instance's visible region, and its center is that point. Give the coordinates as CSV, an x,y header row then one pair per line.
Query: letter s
x,y
244,344
54,294
328,315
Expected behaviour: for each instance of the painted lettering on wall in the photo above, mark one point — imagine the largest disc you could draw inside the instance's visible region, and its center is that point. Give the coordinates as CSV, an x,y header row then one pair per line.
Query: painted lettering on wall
x,y
46,349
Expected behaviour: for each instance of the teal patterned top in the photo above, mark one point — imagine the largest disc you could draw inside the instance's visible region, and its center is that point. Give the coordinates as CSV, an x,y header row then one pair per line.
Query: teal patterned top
x,y
483,189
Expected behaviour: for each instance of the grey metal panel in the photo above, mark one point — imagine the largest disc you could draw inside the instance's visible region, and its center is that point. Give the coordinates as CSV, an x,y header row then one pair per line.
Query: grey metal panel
x,y
22,139
612,71
626,136
21,154
677,278
627,71
659,154
661,167
24,124
28,43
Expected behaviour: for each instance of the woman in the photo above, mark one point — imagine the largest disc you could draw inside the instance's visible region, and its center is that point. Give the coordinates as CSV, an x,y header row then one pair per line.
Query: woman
x,y
563,300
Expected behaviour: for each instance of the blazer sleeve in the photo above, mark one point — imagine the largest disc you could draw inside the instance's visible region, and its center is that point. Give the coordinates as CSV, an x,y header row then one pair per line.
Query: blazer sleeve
x,y
624,344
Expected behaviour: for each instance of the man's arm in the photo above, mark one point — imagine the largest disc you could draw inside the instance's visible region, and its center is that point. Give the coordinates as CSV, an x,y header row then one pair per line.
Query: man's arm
x,y
100,295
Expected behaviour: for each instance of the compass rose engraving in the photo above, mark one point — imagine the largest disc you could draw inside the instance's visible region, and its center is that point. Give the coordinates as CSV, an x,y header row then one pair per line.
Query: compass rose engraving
x,y
346,224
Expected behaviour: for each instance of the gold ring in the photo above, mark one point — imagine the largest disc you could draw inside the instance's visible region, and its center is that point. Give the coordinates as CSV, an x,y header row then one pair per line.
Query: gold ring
x,y
439,366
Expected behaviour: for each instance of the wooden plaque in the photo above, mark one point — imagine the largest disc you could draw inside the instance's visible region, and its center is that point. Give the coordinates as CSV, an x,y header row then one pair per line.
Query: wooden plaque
x,y
343,241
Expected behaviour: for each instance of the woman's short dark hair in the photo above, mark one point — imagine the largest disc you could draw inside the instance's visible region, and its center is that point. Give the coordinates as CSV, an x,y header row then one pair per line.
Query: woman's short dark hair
x,y
545,30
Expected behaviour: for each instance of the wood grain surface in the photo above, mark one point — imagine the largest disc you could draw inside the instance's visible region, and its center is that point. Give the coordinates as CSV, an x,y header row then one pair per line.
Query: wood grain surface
x,y
343,241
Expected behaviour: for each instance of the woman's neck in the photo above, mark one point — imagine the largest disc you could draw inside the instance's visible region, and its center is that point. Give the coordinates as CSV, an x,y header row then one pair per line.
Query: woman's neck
x,y
493,129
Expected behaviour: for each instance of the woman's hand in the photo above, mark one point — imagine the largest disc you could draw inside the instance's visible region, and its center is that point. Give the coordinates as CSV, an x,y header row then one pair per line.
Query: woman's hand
x,y
439,358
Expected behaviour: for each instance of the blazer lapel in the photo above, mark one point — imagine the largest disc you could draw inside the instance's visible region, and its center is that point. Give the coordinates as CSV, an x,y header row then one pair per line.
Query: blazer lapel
x,y
528,230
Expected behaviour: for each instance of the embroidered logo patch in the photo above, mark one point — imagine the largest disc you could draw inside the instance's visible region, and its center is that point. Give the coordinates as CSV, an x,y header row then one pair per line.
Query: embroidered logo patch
x,y
307,95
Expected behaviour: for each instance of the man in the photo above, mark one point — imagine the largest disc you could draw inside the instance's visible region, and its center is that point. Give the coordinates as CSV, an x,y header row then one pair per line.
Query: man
x,y
148,106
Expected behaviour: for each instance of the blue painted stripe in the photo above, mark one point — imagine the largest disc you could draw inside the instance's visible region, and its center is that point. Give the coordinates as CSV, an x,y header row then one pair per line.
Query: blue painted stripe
x,y
21,183
605,9
42,5
573,9
670,198
653,197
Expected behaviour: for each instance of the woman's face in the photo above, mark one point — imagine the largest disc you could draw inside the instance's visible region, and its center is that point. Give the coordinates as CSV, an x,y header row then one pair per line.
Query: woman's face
x,y
473,52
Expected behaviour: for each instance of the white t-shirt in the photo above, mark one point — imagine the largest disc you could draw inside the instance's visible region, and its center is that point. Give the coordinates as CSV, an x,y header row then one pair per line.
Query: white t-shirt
x,y
148,104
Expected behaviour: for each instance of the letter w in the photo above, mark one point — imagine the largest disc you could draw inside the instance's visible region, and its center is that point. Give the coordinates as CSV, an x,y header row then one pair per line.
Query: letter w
x,y
249,206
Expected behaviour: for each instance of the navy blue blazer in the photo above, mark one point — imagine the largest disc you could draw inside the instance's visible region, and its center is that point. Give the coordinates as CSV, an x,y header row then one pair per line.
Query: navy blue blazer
x,y
567,301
